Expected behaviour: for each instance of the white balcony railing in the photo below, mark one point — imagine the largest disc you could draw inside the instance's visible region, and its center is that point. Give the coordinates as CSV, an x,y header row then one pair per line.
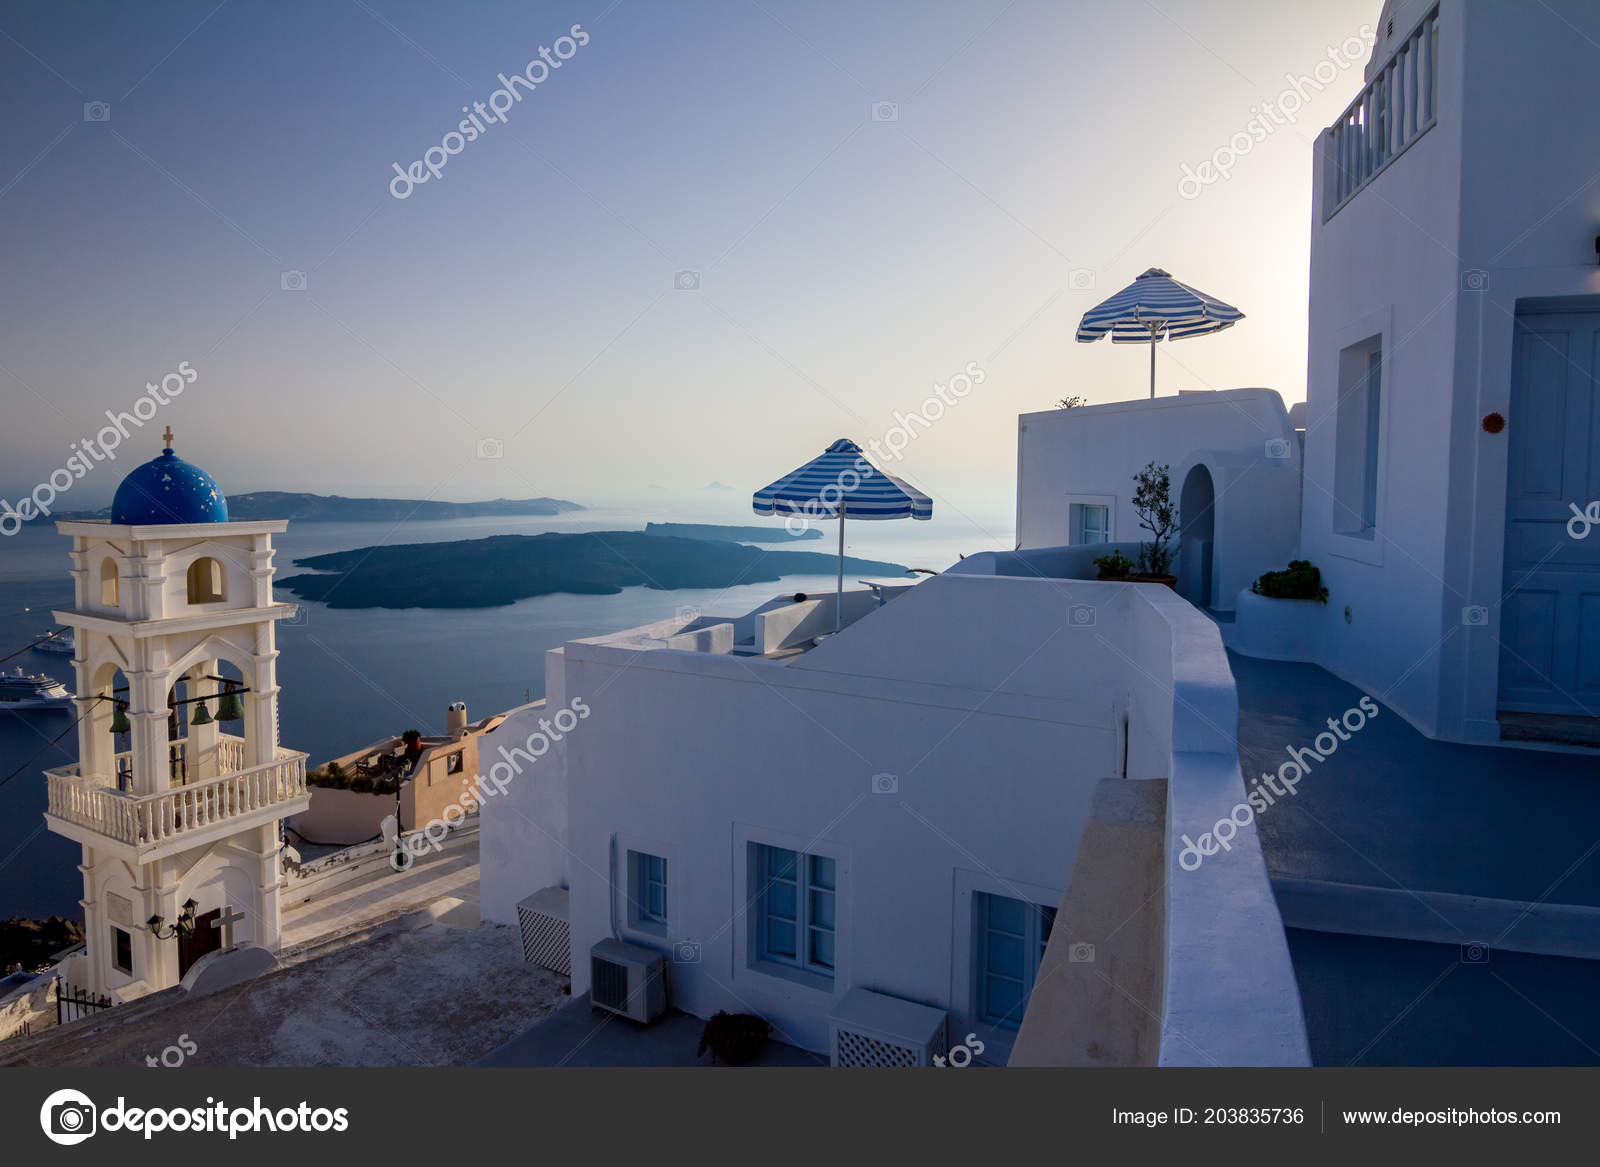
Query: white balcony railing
x,y
151,819
1396,108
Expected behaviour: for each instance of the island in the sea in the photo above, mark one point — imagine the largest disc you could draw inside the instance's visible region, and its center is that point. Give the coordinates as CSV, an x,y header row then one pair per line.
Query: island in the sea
x,y
333,508
736,533
502,569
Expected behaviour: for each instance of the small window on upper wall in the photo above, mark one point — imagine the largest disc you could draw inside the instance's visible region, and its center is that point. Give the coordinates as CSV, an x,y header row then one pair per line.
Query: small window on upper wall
x,y
455,763
1357,423
109,595
1094,524
121,950
206,581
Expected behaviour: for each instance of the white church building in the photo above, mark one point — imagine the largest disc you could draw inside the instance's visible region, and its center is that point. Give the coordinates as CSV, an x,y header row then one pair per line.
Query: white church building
x,y
179,826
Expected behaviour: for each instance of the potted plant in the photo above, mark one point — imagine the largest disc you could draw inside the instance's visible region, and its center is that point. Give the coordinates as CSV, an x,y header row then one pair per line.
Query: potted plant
x,y
1114,566
734,1038
1152,502
1281,615
1300,581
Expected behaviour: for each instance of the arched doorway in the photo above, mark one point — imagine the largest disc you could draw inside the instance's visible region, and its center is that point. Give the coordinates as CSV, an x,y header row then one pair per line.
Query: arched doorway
x,y
1196,533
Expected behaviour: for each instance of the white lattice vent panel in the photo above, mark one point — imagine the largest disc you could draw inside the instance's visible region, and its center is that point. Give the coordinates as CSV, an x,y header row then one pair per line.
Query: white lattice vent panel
x,y
871,1029
546,933
858,1049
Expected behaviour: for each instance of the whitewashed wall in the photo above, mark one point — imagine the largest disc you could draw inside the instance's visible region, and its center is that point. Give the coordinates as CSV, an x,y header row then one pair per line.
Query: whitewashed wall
x,y
1501,185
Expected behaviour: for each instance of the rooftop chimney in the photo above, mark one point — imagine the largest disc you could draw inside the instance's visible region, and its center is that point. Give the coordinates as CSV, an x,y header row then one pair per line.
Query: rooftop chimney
x,y
455,720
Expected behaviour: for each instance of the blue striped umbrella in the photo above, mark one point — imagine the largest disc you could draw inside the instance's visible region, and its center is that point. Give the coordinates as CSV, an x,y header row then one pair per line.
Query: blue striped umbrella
x,y
1153,306
840,484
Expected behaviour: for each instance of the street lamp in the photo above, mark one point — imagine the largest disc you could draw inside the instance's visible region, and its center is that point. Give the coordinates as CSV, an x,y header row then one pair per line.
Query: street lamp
x,y
182,926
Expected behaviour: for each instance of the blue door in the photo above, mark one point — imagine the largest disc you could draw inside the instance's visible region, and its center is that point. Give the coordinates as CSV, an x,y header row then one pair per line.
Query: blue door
x,y
1550,616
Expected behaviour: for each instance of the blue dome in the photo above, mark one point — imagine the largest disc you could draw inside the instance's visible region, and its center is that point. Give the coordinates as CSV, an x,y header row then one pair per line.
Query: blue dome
x,y
168,490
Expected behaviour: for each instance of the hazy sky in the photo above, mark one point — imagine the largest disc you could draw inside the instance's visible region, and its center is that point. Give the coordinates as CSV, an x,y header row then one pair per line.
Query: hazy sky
x,y
849,253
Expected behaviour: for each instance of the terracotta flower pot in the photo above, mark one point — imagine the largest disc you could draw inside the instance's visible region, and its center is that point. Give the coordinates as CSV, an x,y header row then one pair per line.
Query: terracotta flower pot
x,y
1170,580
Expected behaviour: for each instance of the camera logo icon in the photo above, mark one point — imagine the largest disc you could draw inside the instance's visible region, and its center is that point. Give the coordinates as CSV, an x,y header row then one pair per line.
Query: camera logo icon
x,y
886,784
686,951
1278,449
688,613
67,1117
1475,615
1081,615
1081,953
292,281
96,111
490,450
298,620
885,111
1474,279
1081,279
1475,952
686,281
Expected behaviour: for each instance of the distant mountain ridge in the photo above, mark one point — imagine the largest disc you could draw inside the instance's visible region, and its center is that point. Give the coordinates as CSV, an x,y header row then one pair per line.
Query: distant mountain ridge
x,y
751,534
315,508
303,507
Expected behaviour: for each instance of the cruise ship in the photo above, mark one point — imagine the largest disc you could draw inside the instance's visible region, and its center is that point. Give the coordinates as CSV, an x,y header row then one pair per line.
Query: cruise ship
x,y
60,644
19,690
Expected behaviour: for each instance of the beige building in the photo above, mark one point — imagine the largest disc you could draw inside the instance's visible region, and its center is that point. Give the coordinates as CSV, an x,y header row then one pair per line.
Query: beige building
x,y
415,782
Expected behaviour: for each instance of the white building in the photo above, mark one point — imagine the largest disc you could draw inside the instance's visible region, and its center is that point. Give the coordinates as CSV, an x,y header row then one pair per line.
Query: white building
x,y
879,830
180,826
1234,461
1452,423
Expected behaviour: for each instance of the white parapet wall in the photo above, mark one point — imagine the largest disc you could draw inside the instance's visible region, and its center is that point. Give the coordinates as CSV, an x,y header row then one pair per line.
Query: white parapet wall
x,y
1231,997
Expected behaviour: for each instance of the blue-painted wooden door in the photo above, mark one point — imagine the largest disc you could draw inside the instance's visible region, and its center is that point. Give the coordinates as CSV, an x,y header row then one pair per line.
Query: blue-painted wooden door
x,y
1550,615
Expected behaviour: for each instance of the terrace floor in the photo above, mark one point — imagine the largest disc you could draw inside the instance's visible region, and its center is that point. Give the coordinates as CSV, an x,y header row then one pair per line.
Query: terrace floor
x,y
1394,809
1441,901
580,1035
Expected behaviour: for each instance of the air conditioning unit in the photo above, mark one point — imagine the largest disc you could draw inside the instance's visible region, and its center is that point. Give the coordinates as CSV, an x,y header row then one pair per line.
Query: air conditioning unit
x,y
628,980
546,932
874,1029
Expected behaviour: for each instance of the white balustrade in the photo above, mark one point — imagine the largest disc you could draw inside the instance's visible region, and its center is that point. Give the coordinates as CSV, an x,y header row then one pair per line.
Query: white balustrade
x,y
146,820
1395,109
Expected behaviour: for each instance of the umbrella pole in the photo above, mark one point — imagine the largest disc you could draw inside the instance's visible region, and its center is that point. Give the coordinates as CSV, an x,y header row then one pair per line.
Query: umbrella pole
x,y
838,602
1152,366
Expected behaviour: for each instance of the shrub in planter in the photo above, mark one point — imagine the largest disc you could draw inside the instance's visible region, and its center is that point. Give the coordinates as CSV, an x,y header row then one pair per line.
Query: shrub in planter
x,y
1152,502
1300,581
332,776
734,1038
361,784
1114,566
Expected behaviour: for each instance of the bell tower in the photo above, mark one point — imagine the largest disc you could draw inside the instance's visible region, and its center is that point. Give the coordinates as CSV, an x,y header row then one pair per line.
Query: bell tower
x,y
180,783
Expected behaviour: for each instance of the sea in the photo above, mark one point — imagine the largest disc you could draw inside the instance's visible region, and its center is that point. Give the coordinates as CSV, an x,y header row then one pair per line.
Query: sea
x,y
354,676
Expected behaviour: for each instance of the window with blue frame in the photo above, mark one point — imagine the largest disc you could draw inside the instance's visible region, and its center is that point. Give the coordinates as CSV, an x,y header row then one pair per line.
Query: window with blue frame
x,y
796,897
1094,524
1010,938
649,887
